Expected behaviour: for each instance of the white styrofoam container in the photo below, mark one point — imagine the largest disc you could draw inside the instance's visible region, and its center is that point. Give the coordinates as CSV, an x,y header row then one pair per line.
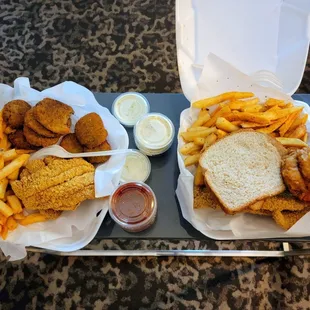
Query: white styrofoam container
x,y
253,35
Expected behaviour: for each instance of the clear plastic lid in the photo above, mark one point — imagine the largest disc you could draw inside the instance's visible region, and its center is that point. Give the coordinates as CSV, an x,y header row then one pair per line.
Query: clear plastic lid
x,y
154,131
129,107
137,167
133,206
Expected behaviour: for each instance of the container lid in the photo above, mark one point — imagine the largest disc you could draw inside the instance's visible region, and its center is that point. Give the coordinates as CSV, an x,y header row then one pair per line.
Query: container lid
x,y
270,35
132,203
129,107
137,167
154,131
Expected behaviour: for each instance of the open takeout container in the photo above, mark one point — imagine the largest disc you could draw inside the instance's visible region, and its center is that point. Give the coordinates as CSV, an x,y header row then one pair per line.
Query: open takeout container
x,y
258,46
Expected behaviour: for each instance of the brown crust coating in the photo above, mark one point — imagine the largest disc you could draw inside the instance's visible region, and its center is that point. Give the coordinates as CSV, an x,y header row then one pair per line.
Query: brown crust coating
x,y
53,115
33,138
14,113
304,162
19,141
90,130
51,214
33,124
105,146
71,144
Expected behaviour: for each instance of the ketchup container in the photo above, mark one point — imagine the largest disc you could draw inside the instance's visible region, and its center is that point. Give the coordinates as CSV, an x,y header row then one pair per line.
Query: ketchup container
x,y
133,206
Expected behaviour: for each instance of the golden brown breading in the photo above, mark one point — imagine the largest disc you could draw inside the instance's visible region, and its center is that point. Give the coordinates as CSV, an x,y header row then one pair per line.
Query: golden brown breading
x,y
291,174
33,124
205,198
304,162
65,196
51,214
90,130
37,140
31,167
105,146
53,115
56,172
258,212
19,141
14,113
286,219
70,143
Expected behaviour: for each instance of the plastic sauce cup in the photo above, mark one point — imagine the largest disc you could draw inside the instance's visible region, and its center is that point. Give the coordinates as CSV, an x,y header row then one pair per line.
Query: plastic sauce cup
x,y
137,167
129,107
133,206
154,134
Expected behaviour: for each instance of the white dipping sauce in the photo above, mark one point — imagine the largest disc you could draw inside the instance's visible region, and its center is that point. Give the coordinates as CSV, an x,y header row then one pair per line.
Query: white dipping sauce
x,y
128,108
137,167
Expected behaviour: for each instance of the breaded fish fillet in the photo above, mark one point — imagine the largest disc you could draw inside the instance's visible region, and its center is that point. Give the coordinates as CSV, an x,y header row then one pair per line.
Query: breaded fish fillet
x,y
53,115
286,219
51,214
55,173
31,167
65,196
33,124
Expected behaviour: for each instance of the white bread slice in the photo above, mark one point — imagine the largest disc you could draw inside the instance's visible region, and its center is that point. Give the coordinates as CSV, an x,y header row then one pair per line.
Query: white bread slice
x,y
242,168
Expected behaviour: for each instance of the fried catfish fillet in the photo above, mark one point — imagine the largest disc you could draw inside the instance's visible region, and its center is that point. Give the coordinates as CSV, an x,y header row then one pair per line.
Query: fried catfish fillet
x,y
53,115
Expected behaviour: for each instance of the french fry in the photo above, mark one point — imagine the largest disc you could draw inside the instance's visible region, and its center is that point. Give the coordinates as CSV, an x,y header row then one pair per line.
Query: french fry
x,y
305,137
219,107
221,133
225,109
292,142
15,204
32,218
189,148
0,228
240,104
274,108
3,185
13,165
201,120
288,105
191,129
208,102
203,112
19,216
224,124
236,123
288,123
272,127
5,209
1,161
9,155
209,141
199,177
9,130
14,175
273,115
272,102
252,117
251,125
189,136
3,219
299,121
298,133
11,223
22,151
4,142
199,141
252,108
4,232
8,193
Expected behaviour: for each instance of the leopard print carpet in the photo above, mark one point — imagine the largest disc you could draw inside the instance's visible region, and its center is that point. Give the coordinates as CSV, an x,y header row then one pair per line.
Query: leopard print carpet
x,y
117,46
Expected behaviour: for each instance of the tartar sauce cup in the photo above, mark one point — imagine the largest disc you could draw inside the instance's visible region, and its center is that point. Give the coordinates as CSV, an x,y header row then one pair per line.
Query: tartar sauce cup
x,y
133,206
129,107
137,167
154,134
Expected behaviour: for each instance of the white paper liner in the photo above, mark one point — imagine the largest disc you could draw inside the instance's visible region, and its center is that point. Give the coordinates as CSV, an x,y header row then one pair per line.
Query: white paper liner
x,y
218,77
63,231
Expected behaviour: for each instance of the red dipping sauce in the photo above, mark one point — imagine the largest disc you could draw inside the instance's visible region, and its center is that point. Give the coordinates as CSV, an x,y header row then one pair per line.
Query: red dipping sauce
x,y
133,206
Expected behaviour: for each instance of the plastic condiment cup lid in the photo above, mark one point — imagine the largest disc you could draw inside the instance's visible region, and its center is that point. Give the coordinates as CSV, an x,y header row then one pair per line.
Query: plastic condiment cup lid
x,y
154,131
137,167
129,107
132,203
